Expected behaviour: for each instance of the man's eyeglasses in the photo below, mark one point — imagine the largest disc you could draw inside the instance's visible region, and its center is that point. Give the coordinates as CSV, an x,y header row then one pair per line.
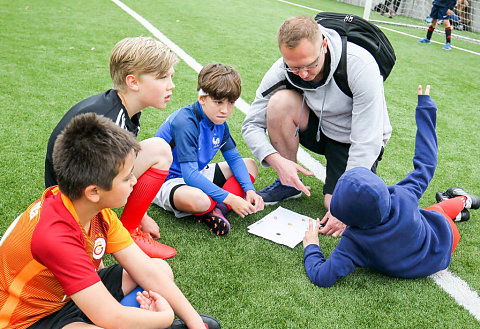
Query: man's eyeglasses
x,y
296,70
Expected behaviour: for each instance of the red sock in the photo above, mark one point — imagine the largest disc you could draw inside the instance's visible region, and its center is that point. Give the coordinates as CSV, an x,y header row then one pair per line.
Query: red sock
x,y
142,195
212,205
233,186
452,207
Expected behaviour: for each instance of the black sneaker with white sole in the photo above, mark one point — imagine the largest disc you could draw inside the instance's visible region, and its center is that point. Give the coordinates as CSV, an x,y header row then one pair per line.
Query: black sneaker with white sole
x,y
463,216
473,201
441,196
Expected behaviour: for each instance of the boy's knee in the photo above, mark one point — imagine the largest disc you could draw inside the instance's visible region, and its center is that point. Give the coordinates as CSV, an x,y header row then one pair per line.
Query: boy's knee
x,y
251,166
200,203
159,151
164,267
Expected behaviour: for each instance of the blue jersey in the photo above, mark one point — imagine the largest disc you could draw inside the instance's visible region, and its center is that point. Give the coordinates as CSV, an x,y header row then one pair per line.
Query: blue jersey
x,y
195,140
193,137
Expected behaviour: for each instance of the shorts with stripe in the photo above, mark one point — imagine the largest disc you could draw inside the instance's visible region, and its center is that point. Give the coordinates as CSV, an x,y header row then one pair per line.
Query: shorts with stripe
x,y
164,197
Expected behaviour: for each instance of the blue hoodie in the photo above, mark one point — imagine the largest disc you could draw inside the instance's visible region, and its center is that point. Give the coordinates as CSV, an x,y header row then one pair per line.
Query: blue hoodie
x,y
386,230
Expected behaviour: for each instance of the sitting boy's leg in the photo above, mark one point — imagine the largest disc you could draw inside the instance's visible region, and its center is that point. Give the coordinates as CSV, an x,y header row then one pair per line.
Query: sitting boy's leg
x,y
231,184
111,277
130,287
184,200
151,167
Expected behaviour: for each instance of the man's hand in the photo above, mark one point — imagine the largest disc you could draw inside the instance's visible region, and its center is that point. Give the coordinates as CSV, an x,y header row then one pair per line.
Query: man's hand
x,y
255,199
333,226
287,171
150,226
241,206
311,235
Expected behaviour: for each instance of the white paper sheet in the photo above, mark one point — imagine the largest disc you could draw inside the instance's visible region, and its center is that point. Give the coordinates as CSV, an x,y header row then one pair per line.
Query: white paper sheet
x,y
281,226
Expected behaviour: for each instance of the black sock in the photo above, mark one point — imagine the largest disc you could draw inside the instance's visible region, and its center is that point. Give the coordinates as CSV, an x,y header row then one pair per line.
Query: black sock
x,y
448,34
430,32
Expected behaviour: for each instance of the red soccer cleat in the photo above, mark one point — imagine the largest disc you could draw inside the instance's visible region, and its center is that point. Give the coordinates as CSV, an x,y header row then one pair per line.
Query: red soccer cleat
x,y
151,247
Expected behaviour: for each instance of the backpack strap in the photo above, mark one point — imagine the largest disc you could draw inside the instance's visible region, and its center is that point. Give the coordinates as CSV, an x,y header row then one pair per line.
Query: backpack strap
x,y
286,83
340,74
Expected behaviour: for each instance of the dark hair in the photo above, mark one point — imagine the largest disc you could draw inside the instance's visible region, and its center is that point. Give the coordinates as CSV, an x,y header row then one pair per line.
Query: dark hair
x,y
91,150
220,81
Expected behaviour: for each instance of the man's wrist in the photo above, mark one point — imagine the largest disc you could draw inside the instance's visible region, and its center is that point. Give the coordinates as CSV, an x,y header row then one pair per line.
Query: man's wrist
x,y
272,159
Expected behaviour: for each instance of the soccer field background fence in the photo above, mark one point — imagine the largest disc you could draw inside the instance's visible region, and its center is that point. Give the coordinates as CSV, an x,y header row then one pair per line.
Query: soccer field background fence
x,y
466,17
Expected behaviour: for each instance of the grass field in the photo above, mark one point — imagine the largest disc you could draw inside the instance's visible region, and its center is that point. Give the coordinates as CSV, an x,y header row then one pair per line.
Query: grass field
x,y
55,53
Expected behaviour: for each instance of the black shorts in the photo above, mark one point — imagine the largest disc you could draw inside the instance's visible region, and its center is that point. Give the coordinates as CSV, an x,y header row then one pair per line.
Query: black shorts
x,y
335,153
70,313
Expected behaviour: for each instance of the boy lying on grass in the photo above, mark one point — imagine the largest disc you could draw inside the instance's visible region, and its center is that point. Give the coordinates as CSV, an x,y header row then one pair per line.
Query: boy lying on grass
x,y
386,230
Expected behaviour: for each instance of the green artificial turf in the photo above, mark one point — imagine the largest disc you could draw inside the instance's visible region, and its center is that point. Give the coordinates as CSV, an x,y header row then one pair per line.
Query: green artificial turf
x,y
55,53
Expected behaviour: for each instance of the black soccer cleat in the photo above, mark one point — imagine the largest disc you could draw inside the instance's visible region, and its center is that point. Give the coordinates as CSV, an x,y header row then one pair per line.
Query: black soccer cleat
x,y
473,201
463,216
441,196
209,320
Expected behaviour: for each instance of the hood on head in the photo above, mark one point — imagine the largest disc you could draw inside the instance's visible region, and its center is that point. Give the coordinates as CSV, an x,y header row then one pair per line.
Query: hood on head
x,y
360,199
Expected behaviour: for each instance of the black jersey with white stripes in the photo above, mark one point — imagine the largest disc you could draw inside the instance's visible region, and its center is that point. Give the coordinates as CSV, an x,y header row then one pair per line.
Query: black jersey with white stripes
x,y
107,104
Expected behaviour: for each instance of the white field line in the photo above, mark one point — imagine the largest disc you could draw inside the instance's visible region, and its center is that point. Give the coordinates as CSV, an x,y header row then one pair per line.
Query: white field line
x,y
453,285
382,27
303,157
459,290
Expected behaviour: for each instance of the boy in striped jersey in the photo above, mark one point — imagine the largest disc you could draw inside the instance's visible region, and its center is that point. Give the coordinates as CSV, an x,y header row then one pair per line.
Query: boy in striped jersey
x,y
52,273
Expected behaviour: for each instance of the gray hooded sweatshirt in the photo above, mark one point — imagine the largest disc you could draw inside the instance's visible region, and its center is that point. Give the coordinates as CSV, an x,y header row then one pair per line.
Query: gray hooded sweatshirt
x,y
361,121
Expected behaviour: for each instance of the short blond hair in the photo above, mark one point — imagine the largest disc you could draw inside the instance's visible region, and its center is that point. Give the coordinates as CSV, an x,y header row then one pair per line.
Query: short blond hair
x,y
296,28
139,55
220,81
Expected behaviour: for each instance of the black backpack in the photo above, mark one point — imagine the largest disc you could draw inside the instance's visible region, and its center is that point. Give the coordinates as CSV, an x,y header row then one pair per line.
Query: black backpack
x,y
363,33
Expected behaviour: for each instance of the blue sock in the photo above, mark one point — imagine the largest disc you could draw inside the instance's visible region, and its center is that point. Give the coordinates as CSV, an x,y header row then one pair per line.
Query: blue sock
x,y
131,298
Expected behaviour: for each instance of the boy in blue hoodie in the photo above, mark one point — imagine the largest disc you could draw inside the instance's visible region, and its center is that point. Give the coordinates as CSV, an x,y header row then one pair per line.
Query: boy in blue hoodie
x,y
386,231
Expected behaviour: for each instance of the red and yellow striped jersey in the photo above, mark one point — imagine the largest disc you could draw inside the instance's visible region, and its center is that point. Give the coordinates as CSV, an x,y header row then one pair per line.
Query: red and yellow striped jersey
x,y
46,256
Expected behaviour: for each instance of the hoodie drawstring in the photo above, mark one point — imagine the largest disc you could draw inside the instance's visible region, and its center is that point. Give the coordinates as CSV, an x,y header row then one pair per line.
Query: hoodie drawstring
x,y
319,119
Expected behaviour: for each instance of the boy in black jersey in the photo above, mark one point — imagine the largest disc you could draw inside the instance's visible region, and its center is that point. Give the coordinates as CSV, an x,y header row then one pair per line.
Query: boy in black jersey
x,y
142,70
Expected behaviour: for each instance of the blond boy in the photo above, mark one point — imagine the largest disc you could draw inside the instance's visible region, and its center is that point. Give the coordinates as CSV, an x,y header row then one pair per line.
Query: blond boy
x,y
141,69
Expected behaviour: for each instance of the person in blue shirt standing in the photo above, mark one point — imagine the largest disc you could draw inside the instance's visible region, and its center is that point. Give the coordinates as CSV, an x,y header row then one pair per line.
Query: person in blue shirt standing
x,y
441,9
386,231
196,133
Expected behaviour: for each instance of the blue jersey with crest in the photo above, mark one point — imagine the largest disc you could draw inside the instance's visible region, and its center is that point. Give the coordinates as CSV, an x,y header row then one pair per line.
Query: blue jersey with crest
x,y
193,137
